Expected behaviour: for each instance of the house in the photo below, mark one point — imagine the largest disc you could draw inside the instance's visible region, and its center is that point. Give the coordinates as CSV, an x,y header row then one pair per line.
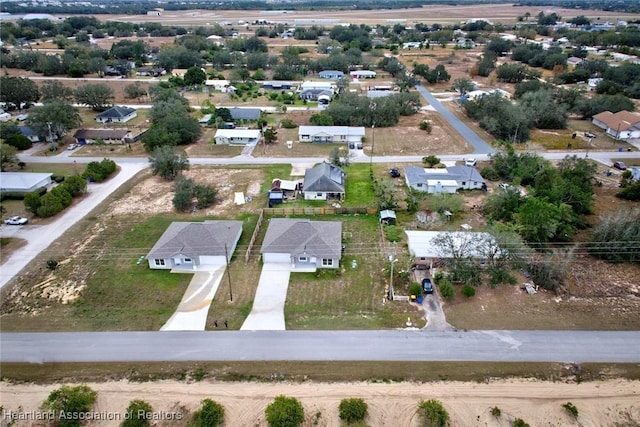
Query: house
x,y
204,121
5,117
573,61
323,182
277,85
117,114
411,45
190,245
425,248
237,136
388,217
363,74
621,125
151,72
221,85
303,244
23,182
108,136
592,84
317,95
447,180
331,74
245,114
29,133
379,93
327,134
308,85
464,43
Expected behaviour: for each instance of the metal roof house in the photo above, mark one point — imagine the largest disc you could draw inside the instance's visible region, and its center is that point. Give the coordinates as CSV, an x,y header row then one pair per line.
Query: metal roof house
x,y
331,74
189,245
23,182
323,182
237,136
327,134
448,180
117,114
245,114
305,245
316,94
277,85
363,74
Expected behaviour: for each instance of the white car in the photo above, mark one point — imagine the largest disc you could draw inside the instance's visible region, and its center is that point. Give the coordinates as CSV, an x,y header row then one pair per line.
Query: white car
x,y
72,147
16,220
470,162
503,185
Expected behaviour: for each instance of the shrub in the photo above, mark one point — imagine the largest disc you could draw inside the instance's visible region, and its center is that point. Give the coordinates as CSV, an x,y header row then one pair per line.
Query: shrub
x,y
446,289
393,233
438,276
108,166
71,402
415,289
285,412
430,160
352,410
432,413
57,178
138,414
571,409
489,173
519,422
210,414
468,291
52,264
288,124
425,125
496,412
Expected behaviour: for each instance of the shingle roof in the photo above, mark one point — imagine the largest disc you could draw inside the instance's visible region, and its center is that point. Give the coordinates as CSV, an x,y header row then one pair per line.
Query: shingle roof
x,y
116,112
26,131
325,178
622,120
332,130
194,239
299,236
100,133
245,113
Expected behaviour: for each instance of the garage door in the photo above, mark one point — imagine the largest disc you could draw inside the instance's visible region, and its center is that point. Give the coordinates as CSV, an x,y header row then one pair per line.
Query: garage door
x,y
277,258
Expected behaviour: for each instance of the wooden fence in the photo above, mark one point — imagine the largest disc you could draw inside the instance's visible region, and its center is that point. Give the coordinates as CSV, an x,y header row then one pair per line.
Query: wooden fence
x,y
254,236
318,211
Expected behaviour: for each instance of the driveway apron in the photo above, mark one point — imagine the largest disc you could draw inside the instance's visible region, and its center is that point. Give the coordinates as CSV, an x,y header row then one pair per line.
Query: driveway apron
x,y
267,313
192,312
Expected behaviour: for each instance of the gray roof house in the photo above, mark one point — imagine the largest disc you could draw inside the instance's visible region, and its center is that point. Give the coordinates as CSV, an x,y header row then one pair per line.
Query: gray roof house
x,y
305,245
245,114
448,180
316,94
343,134
194,245
331,74
23,182
29,133
108,136
117,114
323,182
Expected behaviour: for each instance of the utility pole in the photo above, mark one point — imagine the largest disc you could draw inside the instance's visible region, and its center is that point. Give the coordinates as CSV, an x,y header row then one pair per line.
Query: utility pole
x,y
373,144
226,254
53,147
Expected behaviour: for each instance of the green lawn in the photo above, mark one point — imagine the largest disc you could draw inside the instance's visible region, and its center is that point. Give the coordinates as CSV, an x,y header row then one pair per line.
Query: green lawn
x,y
358,189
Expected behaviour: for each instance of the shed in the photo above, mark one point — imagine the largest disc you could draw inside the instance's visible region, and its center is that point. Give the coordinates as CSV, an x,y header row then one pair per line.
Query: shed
x,y
275,198
388,217
23,182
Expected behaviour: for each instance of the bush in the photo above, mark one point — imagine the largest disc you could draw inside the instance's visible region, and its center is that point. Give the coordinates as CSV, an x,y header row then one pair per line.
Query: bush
x,y
430,160
432,413
438,276
571,409
496,412
489,173
57,178
352,410
425,125
519,422
210,414
446,289
32,201
288,124
285,412
52,264
415,289
138,414
468,291
71,402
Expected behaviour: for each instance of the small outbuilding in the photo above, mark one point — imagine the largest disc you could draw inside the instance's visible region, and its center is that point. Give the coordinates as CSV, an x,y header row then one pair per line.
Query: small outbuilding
x,y
388,217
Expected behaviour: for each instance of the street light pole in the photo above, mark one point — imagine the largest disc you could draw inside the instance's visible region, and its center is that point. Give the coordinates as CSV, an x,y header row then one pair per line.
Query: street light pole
x,y
373,144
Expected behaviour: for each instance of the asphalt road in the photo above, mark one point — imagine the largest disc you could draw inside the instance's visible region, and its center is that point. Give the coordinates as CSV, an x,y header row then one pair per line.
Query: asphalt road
x,y
480,146
396,345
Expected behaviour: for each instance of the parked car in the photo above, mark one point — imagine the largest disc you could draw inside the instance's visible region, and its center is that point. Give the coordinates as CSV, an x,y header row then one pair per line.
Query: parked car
x,y
427,286
72,146
470,162
394,173
590,135
620,165
359,146
503,185
352,145
16,220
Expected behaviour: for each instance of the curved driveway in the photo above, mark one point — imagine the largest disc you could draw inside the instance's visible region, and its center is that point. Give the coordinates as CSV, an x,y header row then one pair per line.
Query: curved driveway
x,y
398,345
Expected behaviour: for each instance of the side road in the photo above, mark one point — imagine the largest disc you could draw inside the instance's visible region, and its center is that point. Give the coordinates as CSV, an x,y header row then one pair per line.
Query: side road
x,y
40,237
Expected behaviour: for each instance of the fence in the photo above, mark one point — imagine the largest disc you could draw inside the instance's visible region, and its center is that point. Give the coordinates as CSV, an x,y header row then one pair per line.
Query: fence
x,y
318,211
253,237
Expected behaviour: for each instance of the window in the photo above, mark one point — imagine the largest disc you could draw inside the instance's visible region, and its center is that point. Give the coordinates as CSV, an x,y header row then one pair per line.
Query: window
x,y
158,261
464,183
318,194
188,260
305,137
419,184
303,259
327,262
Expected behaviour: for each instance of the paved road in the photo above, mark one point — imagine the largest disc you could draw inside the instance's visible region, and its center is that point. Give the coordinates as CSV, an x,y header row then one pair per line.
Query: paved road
x,y
397,345
480,146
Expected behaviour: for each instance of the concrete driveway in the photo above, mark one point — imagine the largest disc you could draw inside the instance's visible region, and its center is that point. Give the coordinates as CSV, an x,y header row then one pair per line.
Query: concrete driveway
x,y
432,306
192,311
267,313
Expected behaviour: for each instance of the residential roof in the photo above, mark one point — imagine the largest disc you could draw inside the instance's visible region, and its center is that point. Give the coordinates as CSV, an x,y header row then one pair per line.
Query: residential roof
x,y
194,239
27,131
324,177
238,133
387,213
330,72
316,91
245,113
299,236
205,119
421,243
283,184
21,179
116,112
332,130
100,133
622,120
417,174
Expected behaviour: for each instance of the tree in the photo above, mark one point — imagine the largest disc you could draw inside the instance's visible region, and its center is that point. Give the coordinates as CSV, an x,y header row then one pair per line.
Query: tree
x,y
18,90
321,119
543,111
167,163
352,410
58,116
8,156
270,135
138,414
285,412
339,157
541,221
385,191
72,402
430,160
97,96
53,90
463,85
134,91
432,413
194,76
210,414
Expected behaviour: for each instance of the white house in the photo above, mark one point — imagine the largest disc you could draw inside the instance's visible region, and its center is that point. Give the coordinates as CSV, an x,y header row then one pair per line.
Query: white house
x,y
323,182
363,74
446,180
425,250
621,125
316,85
192,245
221,85
237,136
331,74
328,134
23,182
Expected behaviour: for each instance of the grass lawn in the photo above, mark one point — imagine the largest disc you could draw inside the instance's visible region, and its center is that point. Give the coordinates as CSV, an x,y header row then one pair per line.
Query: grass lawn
x,y
358,189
